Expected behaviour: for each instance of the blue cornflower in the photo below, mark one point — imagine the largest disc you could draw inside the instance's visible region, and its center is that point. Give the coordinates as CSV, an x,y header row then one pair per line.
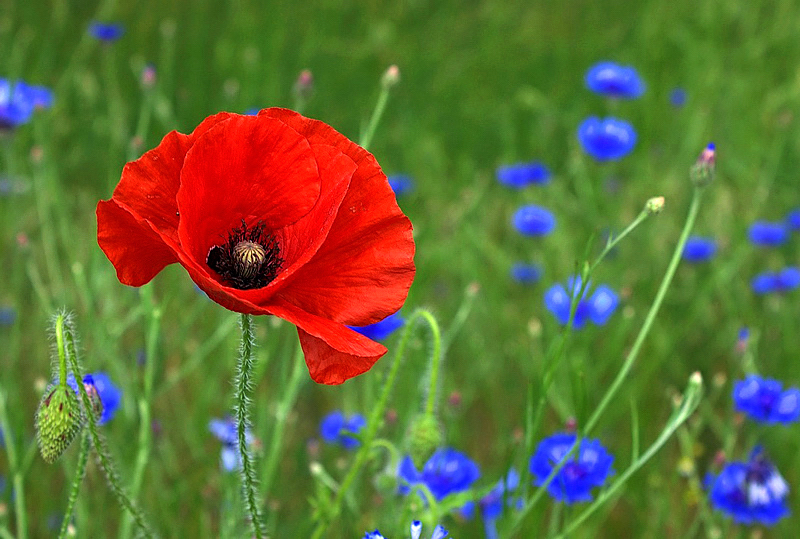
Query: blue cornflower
x,y
793,219
699,249
225,431
416,530
381,330
492,504
18,101
401,184
109,394
767,282
252,112
588,468
765,401
106,32
598,308
334,428
447,471
438,532
526,273
523,174
677,97
532,220
606,140
767,234
8,315
613,80
750,492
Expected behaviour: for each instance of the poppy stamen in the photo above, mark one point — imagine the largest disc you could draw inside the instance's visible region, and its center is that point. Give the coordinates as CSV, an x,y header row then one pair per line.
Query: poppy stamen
x,y
250,258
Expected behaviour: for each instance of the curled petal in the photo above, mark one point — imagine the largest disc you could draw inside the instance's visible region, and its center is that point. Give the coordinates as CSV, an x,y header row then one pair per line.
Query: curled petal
x,y
334,352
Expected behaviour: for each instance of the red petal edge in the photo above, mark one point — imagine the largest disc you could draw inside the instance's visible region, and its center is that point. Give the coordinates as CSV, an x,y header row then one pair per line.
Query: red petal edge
x,y
365,267
137,252
334,353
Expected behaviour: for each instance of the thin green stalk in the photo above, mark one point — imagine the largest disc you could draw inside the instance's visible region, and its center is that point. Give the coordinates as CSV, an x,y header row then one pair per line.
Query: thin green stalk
x,y
80,470
244,373
375,420
103,455
377,112
554,354
380,107
651,315
460,317
286,404
689,403
145,401
612,242
14,469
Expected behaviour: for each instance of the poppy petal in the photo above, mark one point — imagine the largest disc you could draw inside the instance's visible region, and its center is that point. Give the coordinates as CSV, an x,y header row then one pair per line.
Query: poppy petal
x,y
334,353
149,184
244,168
298,241
301,240
137,252
364,269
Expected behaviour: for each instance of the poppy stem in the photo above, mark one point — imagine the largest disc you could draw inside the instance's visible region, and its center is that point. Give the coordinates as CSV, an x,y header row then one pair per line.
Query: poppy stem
x,y
80,470
243,383
64,327
436,360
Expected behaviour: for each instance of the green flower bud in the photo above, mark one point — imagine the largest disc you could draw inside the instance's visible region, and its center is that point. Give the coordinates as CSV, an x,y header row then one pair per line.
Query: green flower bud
x,y
424,436
58,420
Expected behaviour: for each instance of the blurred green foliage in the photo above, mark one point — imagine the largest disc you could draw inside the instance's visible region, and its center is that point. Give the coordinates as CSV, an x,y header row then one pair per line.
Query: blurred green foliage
x,y
482,84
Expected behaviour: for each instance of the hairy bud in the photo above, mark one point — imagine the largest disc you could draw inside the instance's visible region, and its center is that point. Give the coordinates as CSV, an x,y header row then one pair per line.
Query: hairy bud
x,y
58,420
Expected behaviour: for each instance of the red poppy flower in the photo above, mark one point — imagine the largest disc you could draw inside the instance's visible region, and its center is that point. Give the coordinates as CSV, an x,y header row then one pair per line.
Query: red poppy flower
x,y
270,214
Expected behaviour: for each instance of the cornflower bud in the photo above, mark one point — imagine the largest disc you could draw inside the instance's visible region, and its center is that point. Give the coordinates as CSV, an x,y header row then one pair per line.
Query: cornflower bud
x,y
703,170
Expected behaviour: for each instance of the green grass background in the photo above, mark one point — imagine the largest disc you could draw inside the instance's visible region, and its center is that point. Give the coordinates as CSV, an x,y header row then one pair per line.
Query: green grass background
x,y
483,84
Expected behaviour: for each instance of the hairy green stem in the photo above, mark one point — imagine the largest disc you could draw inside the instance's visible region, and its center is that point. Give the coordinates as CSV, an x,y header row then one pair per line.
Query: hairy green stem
x,y
15,470
62,357
80,470
103,454
244,373
436,361
375,420
651,314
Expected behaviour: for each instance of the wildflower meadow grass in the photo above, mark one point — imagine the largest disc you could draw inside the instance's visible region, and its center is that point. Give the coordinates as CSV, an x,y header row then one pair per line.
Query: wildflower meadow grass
x,y
207,214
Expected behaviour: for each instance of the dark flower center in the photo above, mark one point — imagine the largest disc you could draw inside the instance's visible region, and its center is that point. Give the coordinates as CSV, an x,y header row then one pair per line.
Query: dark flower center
x,y
250,258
